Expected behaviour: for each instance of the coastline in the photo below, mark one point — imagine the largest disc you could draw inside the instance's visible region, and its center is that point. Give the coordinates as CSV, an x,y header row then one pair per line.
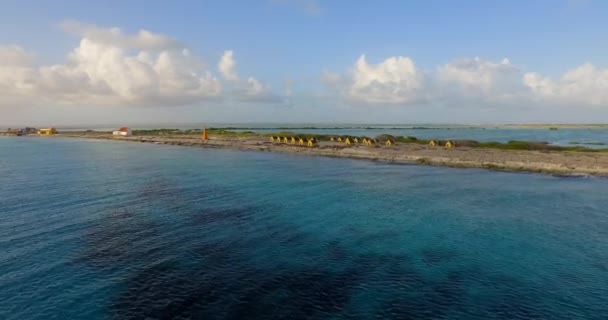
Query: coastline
x,y
533,161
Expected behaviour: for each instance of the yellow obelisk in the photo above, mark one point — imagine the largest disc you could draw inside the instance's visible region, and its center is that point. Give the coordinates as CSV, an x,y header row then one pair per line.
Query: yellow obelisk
x,y
205,136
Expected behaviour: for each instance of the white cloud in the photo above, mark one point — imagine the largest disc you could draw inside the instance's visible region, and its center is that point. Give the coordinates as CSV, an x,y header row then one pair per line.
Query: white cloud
x,y
584,85
396,80
112,67
142,40
247,90
539,85
17,78
473,82
14,56
478,82
475,75
227,66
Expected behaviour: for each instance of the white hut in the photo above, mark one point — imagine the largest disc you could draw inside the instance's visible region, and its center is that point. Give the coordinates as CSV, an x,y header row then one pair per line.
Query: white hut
x,y
124,131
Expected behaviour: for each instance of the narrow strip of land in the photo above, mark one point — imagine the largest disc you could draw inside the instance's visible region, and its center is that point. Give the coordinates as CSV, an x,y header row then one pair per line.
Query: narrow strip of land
x,y
543,161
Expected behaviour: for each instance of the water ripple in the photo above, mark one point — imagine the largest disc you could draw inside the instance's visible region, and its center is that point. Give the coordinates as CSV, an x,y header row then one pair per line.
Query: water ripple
x,y
117,231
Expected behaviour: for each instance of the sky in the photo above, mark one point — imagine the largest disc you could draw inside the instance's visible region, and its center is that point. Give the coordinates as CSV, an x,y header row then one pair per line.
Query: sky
x,y
137,62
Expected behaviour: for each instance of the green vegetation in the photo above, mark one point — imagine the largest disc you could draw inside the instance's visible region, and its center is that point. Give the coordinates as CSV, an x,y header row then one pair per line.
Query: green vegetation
x,y
224,132
515,145
410,139
542,146
589,143
156,132
166,131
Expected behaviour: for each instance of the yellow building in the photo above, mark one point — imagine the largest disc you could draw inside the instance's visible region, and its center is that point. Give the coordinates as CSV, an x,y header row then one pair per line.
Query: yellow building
x,y
432,143
389,142
285,140
347,141
450,144
47,131
356,140
301,141
293,140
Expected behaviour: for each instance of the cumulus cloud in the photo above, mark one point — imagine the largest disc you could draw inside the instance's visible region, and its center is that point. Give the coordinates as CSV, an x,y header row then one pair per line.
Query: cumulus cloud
x,y
141,40
227,66
475,75
112,67
247,89
15,56
479,82
466,82
584,85
395,80
17,79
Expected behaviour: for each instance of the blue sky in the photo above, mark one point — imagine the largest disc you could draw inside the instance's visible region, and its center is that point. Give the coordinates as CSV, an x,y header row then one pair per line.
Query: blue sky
x,y
290,46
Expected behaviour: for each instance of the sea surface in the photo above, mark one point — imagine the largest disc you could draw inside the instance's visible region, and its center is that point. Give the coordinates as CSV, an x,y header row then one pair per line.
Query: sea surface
x,y
117,230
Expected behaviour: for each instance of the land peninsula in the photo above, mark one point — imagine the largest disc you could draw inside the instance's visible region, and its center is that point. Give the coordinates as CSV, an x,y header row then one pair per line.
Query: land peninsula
x,y
512,156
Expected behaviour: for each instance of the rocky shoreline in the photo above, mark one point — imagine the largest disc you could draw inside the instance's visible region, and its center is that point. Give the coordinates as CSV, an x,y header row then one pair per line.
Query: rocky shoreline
x,y
548,162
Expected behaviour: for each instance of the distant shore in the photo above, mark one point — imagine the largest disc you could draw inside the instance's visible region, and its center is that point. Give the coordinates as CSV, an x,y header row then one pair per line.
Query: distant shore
x,y
538,161
340,126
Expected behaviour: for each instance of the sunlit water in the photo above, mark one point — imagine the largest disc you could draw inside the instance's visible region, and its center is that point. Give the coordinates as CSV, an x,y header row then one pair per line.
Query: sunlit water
x,y
111,230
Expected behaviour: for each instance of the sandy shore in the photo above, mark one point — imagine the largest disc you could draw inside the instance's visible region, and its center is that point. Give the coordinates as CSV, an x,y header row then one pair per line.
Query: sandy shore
x,y
550,162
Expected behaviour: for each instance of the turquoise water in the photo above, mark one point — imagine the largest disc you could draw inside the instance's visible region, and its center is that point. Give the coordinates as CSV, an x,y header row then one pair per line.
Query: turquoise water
x,y
116,230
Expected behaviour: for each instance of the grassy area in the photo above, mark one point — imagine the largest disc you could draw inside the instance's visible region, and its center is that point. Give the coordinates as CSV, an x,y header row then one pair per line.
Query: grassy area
x,y
588,143
163,131
542,146
224,132
214,131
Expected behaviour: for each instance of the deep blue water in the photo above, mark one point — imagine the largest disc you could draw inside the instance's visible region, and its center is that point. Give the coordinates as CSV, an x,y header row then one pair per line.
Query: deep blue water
x,y
117,230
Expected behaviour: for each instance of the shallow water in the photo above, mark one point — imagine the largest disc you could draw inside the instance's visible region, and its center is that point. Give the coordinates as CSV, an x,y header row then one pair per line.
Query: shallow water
x,y
98,230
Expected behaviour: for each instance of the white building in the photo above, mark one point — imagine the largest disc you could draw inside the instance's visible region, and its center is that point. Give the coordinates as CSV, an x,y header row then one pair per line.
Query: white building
x,y
124,131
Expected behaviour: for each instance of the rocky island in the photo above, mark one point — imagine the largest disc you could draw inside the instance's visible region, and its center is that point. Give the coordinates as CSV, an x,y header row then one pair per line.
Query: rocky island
x,y
513,156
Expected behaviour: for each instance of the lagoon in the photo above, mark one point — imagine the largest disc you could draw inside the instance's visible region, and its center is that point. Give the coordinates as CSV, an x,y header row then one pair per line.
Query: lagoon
x,y
99,229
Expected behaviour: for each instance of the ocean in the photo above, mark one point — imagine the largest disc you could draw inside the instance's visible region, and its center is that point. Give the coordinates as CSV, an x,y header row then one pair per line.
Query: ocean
x,y
117,230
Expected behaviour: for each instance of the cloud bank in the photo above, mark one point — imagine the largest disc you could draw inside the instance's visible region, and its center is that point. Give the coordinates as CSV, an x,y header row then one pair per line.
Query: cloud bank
x,y
397,81
112,67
